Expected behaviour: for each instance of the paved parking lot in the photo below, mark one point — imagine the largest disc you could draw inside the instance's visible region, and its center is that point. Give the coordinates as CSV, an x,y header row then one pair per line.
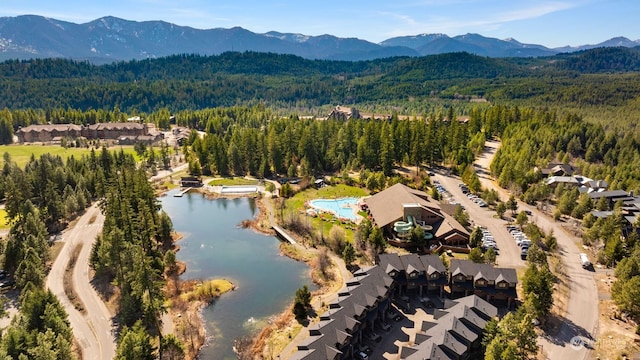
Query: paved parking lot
x,y
509,252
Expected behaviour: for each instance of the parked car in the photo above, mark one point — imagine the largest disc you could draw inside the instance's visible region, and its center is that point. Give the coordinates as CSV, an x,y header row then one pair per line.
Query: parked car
x,y
365,349
7,283
362,355
523,254
584,261
3,274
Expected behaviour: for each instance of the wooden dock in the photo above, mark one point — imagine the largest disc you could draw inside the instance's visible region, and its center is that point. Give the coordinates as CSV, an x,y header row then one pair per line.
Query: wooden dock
x,y
282,234
182,192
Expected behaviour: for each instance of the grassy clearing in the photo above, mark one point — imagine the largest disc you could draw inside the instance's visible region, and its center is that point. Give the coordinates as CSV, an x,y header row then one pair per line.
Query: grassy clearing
x,y
21,154
3,219
327,192
208,290
233,181
325,222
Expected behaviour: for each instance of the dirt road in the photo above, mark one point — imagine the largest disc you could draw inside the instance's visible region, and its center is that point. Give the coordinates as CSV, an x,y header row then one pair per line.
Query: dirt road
x,y
93,331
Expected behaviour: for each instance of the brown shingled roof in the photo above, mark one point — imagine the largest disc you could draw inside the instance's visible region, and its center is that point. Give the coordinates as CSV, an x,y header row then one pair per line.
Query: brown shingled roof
x,y
116,126
50,127
386,206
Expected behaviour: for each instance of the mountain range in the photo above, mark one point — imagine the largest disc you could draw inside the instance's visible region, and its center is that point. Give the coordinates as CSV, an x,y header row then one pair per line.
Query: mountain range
x,y
110,39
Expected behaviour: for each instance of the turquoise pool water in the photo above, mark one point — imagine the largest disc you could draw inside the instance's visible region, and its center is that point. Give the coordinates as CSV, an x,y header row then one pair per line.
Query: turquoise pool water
x,y
341,208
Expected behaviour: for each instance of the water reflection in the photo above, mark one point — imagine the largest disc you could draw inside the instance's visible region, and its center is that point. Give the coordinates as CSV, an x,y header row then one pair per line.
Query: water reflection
x,y
214,247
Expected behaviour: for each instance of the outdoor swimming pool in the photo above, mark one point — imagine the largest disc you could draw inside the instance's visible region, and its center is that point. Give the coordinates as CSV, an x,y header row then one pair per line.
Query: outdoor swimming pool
x,y
341,208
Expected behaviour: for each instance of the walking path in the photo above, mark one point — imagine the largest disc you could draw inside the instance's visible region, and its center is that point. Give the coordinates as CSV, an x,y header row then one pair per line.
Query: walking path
x,y
317,301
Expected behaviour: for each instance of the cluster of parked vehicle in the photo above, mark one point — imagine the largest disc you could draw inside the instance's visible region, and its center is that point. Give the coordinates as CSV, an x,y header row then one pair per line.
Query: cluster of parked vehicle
x,y
521,240
478,201
445,194
488,241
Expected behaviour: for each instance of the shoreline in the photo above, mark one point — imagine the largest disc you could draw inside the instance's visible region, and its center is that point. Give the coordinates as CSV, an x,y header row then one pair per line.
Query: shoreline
x,y
255,345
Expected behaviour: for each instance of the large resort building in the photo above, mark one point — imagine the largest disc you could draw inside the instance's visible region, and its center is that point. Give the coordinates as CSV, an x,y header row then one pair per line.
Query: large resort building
x,y
398,209
128,132
365,303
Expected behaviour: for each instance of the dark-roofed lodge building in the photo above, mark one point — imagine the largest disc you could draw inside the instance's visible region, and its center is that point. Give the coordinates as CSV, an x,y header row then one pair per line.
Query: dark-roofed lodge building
x,y
484,280
455,332
361,303
423,273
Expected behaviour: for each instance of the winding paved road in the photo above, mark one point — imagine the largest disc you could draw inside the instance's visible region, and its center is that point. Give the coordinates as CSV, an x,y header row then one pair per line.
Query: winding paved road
x,y
93,330
581,318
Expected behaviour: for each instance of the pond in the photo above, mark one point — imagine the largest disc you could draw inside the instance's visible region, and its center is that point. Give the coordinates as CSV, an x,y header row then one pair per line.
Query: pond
x,y
215,247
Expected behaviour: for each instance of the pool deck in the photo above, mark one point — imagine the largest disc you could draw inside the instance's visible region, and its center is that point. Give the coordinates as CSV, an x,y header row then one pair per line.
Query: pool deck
x,y
355,218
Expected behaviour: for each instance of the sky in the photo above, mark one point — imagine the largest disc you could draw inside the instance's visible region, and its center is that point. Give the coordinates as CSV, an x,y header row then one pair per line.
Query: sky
x,y
545,22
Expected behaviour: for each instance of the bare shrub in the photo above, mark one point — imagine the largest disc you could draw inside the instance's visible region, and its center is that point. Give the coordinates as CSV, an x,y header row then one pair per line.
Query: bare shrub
x,y
297,224
337,239
323,262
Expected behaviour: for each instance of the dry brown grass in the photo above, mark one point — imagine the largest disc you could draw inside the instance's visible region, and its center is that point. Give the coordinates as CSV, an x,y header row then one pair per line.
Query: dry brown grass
x,y
560,295
616,338
67,281
185,302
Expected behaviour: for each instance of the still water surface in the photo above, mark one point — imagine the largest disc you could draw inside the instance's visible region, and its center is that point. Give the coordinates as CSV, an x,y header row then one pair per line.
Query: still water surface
x,y
215,247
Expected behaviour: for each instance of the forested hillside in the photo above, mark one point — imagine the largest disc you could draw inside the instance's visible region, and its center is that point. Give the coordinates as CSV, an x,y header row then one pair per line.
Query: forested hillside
x,y
193,82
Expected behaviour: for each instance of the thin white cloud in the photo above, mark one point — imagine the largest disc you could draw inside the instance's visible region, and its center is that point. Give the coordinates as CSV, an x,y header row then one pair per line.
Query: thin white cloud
x,y
489,21
64,16
534,11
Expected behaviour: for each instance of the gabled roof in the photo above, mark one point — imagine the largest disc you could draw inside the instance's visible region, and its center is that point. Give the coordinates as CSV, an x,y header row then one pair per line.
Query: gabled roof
x,y
338,324
50,128
482,271
390,261
117,126
464,267
562,179
461,325
386,206
433,263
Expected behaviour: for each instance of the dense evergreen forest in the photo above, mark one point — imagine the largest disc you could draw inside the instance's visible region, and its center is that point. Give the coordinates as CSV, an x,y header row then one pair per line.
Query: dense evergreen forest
x,y
599,77
537,107
40,200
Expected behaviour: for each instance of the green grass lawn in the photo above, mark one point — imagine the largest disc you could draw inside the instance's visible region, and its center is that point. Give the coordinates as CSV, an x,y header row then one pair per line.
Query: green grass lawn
x,y
20,154
327,192
296,204
232,181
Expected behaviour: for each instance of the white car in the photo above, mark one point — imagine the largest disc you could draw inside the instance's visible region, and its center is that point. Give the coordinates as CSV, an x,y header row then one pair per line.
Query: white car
x,y
584,260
